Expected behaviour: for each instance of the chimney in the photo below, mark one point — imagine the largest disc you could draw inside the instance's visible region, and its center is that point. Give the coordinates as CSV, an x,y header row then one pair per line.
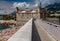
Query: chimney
x,y
17,9
39,7
39,11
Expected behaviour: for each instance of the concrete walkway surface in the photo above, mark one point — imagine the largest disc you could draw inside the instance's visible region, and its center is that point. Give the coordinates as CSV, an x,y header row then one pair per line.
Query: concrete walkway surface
x,y
52,30
24,33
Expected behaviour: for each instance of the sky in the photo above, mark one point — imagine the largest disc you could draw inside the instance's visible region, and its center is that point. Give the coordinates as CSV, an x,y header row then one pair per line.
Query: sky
x,y
19,0
8,6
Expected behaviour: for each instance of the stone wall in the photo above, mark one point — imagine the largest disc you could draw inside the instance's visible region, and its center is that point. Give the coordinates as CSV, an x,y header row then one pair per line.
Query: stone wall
x,y
25,16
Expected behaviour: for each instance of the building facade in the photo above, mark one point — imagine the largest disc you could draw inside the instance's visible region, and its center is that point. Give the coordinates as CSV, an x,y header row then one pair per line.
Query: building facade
x,y
26,14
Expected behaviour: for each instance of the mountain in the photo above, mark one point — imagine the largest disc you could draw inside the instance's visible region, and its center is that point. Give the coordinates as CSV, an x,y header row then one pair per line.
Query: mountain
x,y
13,13
55,6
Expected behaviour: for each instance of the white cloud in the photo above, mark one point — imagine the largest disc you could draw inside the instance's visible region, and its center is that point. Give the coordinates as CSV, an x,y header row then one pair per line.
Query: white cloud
x,y
8,7
24,5
20,4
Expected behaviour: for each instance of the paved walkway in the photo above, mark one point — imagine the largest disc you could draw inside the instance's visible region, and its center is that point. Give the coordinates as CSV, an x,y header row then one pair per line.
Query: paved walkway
x,y
44,35
51,29
24,33
37,31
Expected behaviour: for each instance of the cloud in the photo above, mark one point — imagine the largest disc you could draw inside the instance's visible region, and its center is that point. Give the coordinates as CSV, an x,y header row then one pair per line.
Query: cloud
x,y
19,4
8,6
5,7
24,5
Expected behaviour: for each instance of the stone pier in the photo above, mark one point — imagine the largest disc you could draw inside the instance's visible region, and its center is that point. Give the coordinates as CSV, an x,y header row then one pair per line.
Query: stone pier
x,y
35,30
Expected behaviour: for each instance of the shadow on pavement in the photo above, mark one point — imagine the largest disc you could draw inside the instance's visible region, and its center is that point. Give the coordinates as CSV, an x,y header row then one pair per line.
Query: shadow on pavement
x,y
35,35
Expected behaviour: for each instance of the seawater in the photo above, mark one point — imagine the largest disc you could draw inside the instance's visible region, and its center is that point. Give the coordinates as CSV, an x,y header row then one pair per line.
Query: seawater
x,y
4,27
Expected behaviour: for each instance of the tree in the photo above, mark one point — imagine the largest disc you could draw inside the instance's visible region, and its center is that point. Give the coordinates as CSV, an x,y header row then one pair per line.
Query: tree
x,y
9,17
